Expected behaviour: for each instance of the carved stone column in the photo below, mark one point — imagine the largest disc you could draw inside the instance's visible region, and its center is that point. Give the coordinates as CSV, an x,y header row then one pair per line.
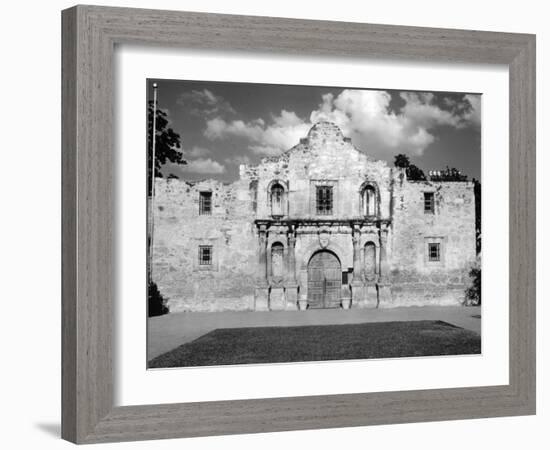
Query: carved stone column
x,y
261,293
384,287
268,263
262,257
291,263
291,285
357,284
371,281
383,270
356,239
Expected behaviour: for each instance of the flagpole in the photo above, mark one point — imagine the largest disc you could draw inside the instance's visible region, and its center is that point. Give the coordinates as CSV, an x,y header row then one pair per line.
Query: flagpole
x,y
153,167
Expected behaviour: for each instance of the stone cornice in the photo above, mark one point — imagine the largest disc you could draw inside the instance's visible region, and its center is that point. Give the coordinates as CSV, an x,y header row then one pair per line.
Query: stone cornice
x,y
296,223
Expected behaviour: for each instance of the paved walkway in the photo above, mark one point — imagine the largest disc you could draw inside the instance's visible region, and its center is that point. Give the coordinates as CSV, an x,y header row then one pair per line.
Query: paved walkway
x,y
172,330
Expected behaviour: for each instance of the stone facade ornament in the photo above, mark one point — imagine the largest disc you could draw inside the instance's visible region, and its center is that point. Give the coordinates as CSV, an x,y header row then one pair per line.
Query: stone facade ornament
x,y
324,237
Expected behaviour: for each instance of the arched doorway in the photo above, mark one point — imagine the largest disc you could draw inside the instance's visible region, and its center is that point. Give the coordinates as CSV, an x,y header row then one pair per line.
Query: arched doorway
x,y
324,280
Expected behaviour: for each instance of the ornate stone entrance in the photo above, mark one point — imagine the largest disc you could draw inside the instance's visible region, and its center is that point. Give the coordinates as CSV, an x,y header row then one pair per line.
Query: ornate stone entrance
x,y
324,275
327,249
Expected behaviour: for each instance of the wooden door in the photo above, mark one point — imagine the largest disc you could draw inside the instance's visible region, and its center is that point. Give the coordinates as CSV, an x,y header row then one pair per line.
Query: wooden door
x,y
324,280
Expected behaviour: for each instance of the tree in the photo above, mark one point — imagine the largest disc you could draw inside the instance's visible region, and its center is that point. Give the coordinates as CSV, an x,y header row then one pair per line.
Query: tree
x,y
413,172
401,160
167,143
156,303
473,292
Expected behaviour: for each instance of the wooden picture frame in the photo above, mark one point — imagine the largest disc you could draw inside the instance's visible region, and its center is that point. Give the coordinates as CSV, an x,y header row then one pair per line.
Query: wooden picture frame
x,y
90,34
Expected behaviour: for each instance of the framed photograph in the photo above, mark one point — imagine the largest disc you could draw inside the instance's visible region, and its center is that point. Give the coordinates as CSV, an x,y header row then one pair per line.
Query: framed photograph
x,y
265,229
285,213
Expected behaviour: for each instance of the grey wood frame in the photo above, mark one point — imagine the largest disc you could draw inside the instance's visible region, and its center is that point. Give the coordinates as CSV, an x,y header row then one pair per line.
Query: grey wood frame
x,y
89,36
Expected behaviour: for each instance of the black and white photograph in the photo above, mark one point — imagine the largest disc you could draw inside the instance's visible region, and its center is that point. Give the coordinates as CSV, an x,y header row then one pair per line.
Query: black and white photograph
x,y
308,223
246,225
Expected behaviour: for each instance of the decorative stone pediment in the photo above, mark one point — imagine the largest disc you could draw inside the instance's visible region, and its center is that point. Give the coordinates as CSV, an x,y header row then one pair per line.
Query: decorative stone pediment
x,y
324,237
324,131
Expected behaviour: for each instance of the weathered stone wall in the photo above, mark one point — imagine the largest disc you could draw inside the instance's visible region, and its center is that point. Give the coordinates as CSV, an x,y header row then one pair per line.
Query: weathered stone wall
x,y
416,280
179,230
324,156
393,265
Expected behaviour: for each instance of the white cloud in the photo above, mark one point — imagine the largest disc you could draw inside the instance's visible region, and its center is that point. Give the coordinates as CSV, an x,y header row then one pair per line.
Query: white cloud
x,y
218,128
467,109
363,115
474,114
287,119
367,118
197,152
238,159
420,109
285,132
204,166
204,102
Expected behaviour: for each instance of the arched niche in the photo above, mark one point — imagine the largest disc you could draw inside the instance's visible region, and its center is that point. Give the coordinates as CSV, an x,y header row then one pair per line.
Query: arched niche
x,y
370,261
369,199
277,261
277,194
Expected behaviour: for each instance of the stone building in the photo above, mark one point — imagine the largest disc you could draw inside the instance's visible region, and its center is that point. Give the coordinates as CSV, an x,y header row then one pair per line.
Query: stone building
x,y
320,226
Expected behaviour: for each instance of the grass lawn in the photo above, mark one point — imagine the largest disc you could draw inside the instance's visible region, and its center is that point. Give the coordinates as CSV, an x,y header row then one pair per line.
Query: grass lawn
x,y
322,343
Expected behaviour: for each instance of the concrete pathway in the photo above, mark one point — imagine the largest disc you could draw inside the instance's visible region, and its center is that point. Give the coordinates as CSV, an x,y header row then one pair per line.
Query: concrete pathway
x,y
165,333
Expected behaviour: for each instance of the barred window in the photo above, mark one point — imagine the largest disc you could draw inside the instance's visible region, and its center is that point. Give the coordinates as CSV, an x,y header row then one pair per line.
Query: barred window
x,y
205,203
324,200
434,251
429,206
205,255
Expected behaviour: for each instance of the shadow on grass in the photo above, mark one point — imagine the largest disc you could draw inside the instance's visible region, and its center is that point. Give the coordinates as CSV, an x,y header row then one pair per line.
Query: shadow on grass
x,y
322,343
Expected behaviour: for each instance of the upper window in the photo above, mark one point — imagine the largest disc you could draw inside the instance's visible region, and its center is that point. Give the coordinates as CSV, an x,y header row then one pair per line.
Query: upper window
x,y
429,203
324,200
205,203
434,251
368,201
205,255
277,204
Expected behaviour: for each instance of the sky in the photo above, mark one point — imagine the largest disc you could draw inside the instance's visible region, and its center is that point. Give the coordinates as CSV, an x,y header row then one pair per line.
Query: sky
x,y
224,124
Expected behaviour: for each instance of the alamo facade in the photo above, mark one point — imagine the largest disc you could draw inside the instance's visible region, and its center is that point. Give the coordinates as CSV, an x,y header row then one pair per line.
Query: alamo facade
x,y
320,226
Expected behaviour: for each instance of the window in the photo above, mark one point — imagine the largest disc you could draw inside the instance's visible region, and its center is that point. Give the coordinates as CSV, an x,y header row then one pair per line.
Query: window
x,y
324,200
205,203
434,251
205,255
369,201
277,195
429,205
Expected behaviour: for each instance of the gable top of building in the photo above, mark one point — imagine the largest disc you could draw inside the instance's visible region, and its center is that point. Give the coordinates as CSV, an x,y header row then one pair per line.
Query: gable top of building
x,y
322,135
325,130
